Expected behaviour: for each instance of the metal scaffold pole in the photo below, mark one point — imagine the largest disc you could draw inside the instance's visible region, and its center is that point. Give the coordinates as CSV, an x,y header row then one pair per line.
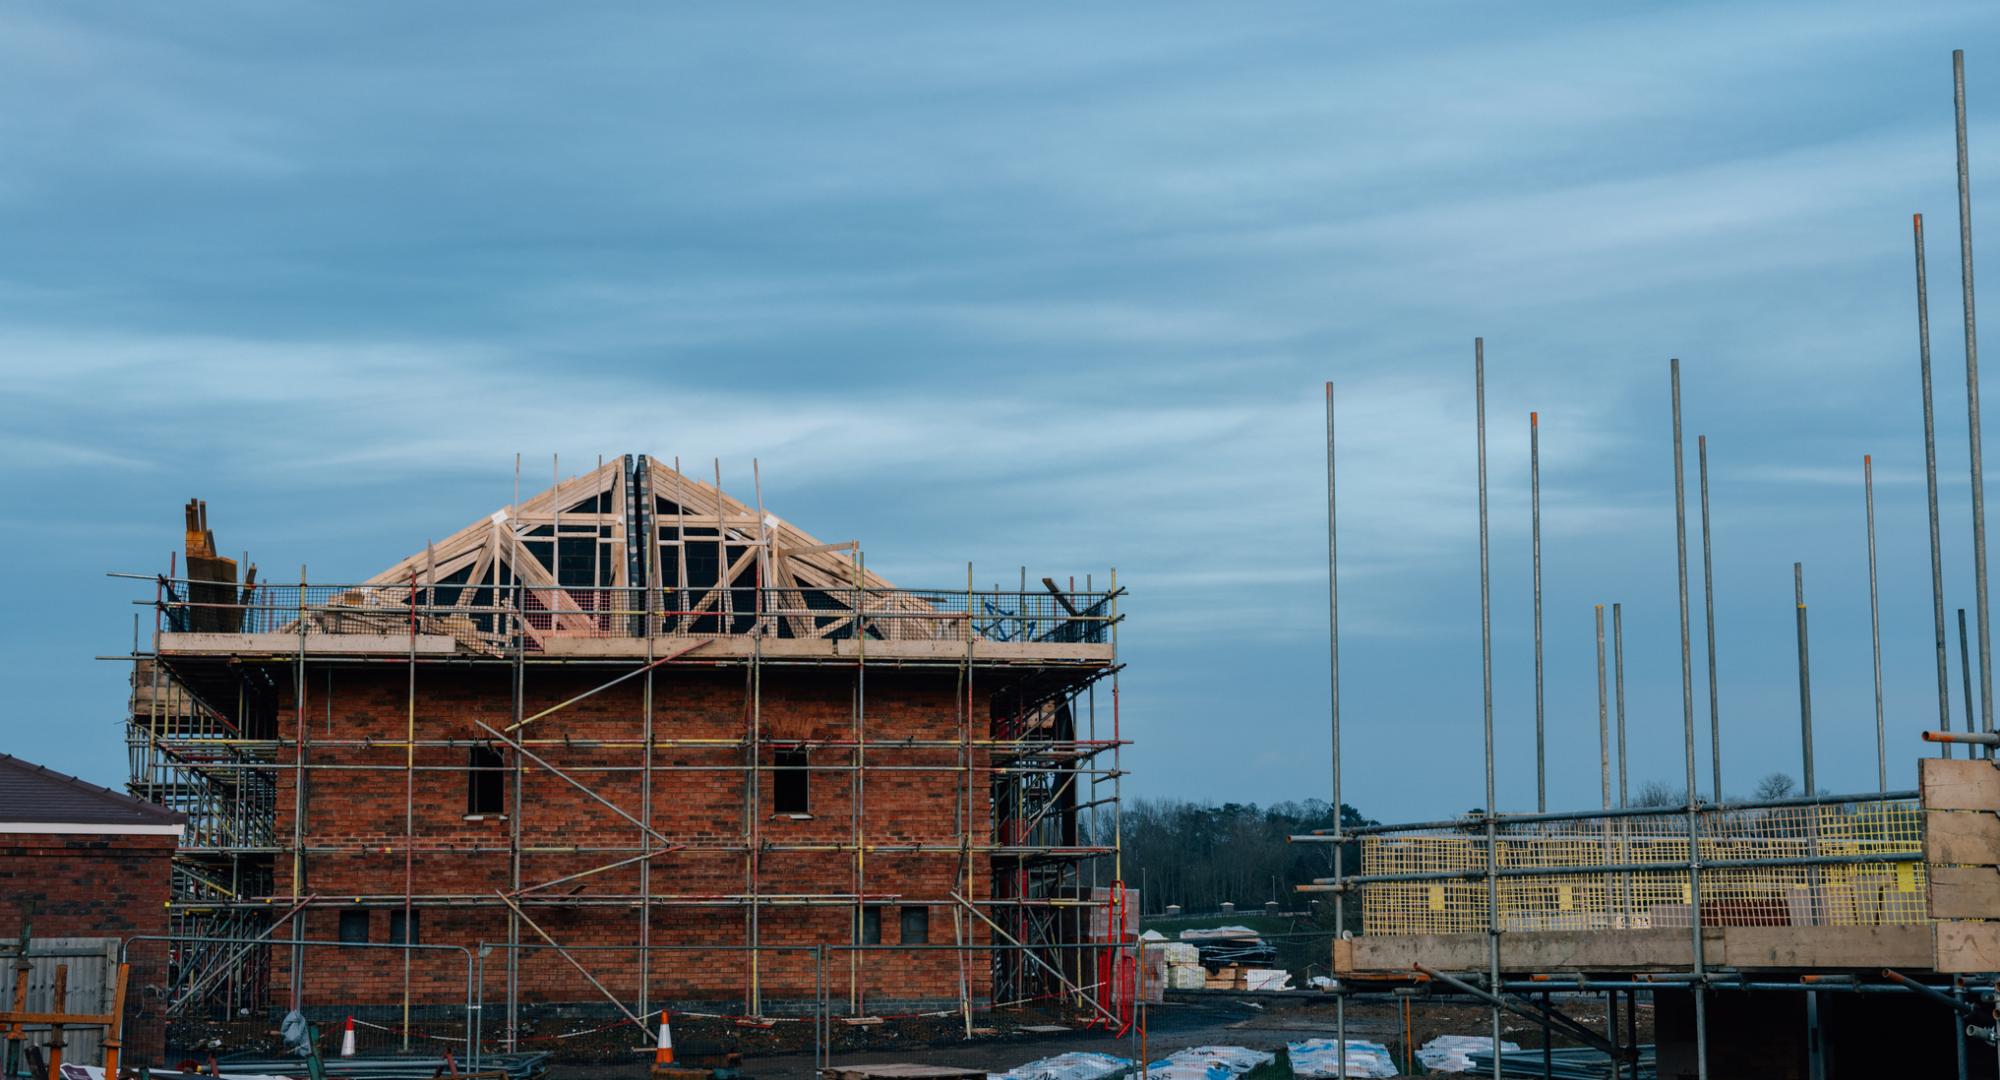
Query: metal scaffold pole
x,y
1535,533
1981,611
300,795
1333,639
1603,722
1708,611
1687,717
1805,681
1486,692
1931,484
1965,674
1618,694
1875,625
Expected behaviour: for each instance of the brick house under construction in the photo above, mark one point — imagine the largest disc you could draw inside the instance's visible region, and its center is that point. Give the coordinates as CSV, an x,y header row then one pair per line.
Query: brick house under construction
x,y
651,744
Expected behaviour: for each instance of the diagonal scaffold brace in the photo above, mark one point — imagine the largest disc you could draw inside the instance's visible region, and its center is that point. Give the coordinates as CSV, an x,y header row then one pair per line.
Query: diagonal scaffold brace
x,y
573,962
1029,953
566,778
594,691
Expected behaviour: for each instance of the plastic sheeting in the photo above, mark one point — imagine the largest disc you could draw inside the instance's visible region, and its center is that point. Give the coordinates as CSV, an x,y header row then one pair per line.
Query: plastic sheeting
x,y
1207,1063
1320,1058
1222,945
1078,1065
1450,1053
1220,933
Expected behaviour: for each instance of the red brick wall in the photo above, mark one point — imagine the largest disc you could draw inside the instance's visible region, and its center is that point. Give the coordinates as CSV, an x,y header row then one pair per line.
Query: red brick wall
x,y
89,885
357,818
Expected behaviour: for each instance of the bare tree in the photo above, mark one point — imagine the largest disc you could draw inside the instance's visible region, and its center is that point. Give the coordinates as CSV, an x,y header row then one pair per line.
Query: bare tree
x,y
1659,793
1776,786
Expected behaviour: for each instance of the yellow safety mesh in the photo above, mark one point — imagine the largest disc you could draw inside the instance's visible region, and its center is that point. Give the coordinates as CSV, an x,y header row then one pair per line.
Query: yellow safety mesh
x,y
1862,894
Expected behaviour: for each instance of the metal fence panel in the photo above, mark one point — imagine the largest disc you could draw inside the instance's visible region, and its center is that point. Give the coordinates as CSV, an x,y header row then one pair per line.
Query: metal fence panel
x,y
92,979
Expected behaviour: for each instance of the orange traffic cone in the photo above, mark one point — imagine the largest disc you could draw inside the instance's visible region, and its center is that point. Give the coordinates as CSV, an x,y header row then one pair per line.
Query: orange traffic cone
x,y
347,1039
663,1051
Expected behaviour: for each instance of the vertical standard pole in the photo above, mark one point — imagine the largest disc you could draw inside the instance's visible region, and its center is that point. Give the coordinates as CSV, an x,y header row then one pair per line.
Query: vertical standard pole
x,y
1687,725
1980,612
1957,1024
1618,689
1618,696
1805,679
1815,1056
1875,624
1535,515
1931,486
1603,716
1965,673
1805,741
1604,746
410,793
1486,691
1611,1027
1548,1044
1708,610
302,779
1333,639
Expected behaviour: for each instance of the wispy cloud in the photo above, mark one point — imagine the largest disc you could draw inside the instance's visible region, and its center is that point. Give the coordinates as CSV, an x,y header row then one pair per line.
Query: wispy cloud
x,y
1057,289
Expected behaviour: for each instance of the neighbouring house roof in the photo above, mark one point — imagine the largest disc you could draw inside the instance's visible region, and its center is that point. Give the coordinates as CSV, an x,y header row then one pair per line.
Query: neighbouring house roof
x,y
41,800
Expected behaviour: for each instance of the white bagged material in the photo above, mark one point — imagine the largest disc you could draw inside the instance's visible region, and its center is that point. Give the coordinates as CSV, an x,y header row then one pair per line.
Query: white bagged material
x,y
1447,1053
1207,1063
1178,953
1078,1065
1319,1059
1183,963
1266,979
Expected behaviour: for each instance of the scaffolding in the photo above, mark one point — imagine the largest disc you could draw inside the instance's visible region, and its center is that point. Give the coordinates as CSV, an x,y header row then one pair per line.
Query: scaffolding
x,y
621,581
1503,908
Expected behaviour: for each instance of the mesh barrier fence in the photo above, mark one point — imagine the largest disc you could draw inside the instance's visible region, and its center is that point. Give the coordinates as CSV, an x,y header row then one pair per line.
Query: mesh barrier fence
x,y
1646,882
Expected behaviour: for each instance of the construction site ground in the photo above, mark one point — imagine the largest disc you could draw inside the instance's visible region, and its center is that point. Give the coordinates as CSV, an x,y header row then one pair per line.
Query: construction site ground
x,y
1227,1021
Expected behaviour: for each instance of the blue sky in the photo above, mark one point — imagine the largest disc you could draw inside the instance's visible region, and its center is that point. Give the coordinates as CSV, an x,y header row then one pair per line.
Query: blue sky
x,y
1057,286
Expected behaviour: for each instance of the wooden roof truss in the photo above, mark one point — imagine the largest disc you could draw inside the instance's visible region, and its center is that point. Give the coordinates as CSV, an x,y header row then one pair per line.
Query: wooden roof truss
x,y
636,546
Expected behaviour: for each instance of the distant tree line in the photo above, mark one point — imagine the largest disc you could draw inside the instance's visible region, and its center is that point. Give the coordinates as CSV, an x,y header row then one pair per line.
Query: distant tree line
x,y
1773,786
1199,855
